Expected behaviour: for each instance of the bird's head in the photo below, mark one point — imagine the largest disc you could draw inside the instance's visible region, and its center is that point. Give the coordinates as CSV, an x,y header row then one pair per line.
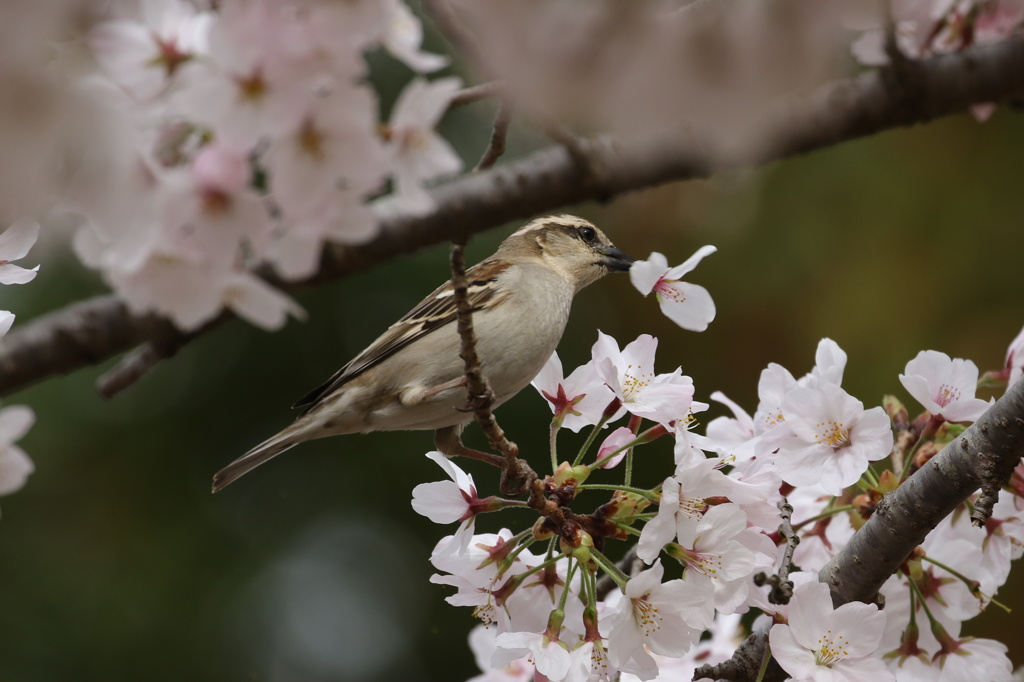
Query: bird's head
x,y
573,247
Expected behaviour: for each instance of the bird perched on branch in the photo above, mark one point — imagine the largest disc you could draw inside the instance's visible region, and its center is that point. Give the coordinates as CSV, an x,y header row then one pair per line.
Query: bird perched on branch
x,y
412,376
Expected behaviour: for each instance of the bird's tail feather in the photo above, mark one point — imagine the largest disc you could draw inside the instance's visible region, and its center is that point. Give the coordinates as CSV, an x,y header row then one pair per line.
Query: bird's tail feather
x,y
268,449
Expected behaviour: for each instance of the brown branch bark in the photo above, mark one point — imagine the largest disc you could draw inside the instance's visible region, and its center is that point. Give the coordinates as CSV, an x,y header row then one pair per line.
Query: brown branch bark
x,y
91,331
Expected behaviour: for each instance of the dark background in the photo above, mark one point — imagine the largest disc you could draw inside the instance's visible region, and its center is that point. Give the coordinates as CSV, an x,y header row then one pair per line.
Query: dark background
x,y
116,562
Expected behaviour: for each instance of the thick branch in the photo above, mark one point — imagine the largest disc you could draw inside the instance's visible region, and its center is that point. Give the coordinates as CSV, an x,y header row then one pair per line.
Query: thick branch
x,y
93,330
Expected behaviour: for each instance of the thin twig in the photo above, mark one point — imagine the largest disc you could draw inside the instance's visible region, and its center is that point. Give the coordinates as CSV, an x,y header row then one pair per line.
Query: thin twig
x,y
781,586
475,93
129,369
516,474
574,144
499,133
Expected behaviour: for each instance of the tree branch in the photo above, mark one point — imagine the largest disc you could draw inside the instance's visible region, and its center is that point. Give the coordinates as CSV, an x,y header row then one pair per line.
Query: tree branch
x,y
91,331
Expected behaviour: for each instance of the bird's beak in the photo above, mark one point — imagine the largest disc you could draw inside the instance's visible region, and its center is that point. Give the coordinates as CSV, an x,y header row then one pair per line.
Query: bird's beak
x,y
615,260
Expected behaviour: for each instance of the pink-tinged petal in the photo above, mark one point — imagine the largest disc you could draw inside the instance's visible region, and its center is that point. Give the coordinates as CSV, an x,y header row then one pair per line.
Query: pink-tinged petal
x,y
863,625
15,467
720,524
691,262
618,438
965,410
404,38
660,530
606,357
663,403
929,363
260,303
640,352
794,659
690,306
645,274
13,274
863,670
455,472
829,362
645,581
874,434
552,660
422,102
810,613
549,376
439,501
15,421
18,239
1015,351
944,386
917,387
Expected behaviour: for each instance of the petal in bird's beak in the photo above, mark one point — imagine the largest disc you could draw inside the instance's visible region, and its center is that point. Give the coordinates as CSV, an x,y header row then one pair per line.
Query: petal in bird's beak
x,y
615,260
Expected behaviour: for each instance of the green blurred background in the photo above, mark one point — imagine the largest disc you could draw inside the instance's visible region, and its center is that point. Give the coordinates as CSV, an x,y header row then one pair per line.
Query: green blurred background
x,y
116,563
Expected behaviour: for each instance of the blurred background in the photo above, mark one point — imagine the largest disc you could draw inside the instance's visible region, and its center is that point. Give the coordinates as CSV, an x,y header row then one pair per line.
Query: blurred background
x,y
116,562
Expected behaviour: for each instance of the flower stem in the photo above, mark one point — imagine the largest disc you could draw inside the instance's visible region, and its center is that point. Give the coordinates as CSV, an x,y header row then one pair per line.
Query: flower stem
x,y
610,568
822,515
553,440
590,441
649,494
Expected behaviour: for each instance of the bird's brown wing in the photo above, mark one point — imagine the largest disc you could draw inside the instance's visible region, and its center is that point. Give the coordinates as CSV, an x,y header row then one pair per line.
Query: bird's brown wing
x,y
433,312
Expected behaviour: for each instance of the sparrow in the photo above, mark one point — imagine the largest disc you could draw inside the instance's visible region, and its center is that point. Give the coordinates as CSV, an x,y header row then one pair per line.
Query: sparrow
x,y
412,377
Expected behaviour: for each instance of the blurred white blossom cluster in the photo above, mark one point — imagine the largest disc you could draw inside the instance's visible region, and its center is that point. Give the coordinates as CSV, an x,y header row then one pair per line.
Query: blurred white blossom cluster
x,y
15,420
251,135
539,592
926,27
196,141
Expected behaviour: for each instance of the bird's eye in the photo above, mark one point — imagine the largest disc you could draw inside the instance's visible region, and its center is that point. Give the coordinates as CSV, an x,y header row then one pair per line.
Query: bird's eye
x,y
588,234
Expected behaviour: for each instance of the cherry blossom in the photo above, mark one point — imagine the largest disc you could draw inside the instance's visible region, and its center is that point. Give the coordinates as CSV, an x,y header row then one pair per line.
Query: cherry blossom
x,y
688,305
6,320
829,645
944,386
629,372
656,617
403,37
419,153
321,171
145,56
720,554
549,655
481,643
577,400
446,501
190,292
829,438
684,501
973,658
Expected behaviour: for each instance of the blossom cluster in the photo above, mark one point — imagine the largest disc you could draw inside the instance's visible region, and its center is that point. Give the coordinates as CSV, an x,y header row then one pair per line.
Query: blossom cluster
x,y
15,420
249,136
553,603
